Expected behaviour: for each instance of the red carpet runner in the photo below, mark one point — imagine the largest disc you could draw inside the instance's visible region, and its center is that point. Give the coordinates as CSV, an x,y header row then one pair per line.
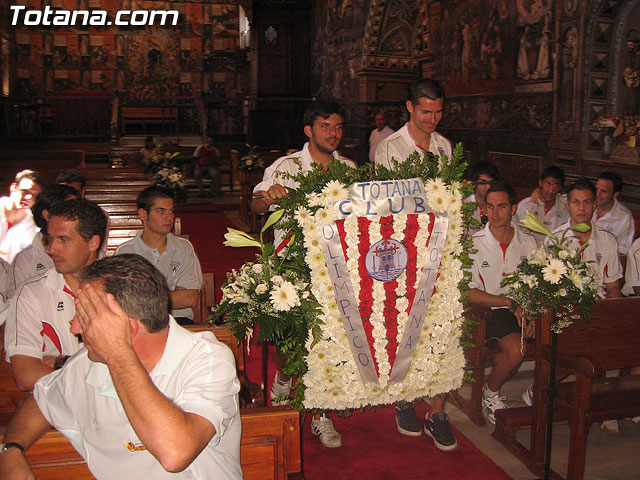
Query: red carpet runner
x,y
371,448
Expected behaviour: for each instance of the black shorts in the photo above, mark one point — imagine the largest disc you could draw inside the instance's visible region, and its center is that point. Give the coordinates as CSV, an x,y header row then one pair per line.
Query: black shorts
x,y
502,323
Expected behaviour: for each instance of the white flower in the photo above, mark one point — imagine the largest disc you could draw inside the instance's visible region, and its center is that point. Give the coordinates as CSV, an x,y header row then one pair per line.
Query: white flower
x,y
284,296
335,191
324,216
554,271
261,289
302,216
276,279
257,268
563,254
577,280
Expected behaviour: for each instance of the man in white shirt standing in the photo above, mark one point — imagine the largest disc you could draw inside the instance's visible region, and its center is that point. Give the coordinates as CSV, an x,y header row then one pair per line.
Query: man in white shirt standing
x,y
548,208
501,246
426,98
323,126
378,134
484,175
173,256
610,214
37,338
145,398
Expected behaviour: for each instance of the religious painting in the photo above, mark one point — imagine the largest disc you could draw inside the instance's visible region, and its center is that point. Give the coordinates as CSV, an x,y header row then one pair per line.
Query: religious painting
x,y
533,40
475,40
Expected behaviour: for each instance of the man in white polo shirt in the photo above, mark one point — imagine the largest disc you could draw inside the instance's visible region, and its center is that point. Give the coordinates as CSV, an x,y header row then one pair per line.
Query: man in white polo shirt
x,y
632,272
610,214
37,337
424,104
145,398
173,256
548,208
602,248
501,246
34,260
378,134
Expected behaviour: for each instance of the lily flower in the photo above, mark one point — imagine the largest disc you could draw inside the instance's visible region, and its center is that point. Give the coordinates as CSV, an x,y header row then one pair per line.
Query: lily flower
x,y
532,223
236,238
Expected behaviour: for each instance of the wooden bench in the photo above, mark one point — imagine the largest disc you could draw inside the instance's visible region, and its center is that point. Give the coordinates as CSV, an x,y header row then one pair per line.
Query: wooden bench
x,y
478,358
611,341
140,119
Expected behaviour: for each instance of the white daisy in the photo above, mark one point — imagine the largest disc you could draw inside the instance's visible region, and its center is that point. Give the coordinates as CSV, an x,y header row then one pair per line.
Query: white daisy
x,y
554,271
335,191
302,216
284,297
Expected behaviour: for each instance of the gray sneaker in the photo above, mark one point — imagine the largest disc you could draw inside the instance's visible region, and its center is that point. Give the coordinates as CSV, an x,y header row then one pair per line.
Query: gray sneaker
x,y
437,427
527,396
491,404
406,420
323,428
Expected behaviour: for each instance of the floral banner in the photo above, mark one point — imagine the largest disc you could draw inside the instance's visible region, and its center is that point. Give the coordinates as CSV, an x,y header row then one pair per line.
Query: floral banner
x,y
391,325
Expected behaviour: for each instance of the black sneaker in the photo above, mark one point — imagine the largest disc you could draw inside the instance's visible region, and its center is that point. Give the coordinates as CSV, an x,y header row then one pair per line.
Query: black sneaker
x,y
406,420
437,427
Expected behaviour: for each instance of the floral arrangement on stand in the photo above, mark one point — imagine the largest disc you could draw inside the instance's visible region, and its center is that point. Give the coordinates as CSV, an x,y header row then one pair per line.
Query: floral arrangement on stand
x,y
311,333
555,278
251,162
166,173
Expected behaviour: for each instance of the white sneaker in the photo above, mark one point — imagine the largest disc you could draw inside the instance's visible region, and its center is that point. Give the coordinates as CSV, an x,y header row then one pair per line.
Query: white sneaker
x,y
491,404
527,396
279,390
324,429
610,426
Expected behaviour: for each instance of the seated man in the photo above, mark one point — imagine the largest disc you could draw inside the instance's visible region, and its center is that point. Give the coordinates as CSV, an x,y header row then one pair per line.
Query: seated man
x,y
16,223
501,246
146,152
74,179
205,160
37,337
632,272
610,214
378,134
602,247
484,175
548,208
147,397
173,256
34,260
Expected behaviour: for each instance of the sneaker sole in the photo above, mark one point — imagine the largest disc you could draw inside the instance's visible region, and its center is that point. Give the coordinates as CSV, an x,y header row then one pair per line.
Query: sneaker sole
x,y
440,446
406,432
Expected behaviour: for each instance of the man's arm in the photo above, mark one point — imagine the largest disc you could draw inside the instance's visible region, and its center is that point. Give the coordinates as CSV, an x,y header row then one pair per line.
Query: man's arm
x,y
171,435
267,198
27,370
483,298
183,298
26,426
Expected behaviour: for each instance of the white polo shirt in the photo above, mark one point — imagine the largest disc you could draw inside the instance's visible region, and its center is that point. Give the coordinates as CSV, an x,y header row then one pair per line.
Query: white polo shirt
x,y
400,145
491,264
557,215
16,238
178,263
288,164
39,319
375,138
619,222
632,272
196,372
29,263
4,286
602,249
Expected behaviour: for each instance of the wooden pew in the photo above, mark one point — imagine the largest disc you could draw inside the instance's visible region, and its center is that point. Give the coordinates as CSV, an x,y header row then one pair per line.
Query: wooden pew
x,y
611,341
139,119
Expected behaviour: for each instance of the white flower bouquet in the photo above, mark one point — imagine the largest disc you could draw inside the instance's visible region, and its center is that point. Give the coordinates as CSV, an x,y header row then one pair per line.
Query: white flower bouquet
x,y
251,162
169,176
555,278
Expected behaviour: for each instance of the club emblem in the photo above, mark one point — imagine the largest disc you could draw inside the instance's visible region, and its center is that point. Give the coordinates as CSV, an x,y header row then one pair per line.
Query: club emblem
x,y
386,260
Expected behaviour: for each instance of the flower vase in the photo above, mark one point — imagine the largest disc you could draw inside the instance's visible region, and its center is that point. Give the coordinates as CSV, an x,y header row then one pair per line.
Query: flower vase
x,y
607,144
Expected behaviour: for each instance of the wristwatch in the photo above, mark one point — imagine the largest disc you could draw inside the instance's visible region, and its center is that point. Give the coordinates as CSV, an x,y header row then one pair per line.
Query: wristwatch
x,y
8,445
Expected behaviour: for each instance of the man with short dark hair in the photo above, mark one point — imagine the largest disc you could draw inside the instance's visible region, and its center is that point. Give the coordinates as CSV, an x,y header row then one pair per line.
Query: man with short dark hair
x,y
323,126
205,160
500,248
548,208
74,179
612,215
378,134
484,174
425,104
173,256
602,248
34,260
145,398
37,337
17,227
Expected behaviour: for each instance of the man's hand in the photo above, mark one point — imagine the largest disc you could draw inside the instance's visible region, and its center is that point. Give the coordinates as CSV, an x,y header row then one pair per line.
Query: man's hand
x,y
535,195
263,199
106,329
13,466
529,326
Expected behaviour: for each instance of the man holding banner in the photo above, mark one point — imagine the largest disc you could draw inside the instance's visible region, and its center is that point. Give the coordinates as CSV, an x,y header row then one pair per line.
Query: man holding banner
x,y
425,106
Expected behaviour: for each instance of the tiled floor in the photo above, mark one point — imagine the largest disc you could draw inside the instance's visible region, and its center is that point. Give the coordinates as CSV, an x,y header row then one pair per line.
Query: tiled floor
x,y
609,456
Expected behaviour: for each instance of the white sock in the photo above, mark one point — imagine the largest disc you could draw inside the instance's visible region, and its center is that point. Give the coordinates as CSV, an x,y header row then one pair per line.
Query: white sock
x,y
486,392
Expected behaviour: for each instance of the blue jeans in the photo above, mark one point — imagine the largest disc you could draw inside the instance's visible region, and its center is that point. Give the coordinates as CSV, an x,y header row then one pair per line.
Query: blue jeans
x,y
210,172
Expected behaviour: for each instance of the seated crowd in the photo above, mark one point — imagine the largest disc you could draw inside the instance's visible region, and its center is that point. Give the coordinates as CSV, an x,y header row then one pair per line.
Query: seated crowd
x,y
114,322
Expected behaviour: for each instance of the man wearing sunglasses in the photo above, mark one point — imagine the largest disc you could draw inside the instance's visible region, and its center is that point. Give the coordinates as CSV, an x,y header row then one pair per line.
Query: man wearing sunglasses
x,y
484,175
